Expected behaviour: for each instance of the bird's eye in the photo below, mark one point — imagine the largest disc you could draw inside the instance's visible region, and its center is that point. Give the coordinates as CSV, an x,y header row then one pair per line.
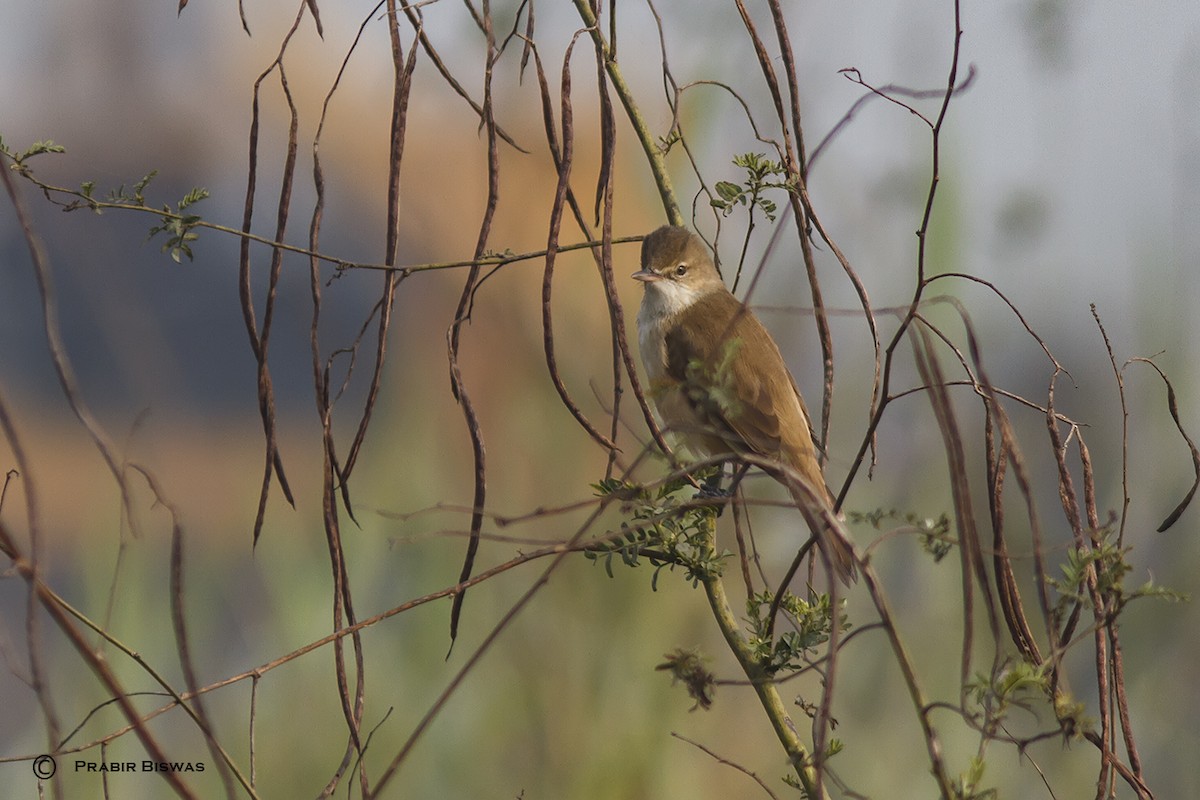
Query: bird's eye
x,y
681,270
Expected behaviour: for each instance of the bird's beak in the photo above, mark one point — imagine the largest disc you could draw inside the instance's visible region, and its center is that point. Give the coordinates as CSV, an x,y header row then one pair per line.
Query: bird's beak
x,y
646,276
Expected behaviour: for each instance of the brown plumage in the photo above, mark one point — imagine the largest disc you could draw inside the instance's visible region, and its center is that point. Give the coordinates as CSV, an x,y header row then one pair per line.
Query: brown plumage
x,y
718,380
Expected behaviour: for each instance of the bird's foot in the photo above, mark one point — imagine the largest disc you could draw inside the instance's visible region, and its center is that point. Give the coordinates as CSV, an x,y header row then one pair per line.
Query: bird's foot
x,y
713,494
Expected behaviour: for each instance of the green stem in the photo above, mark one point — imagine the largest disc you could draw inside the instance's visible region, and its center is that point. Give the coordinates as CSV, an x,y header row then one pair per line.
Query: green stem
x,y
764,686
653,154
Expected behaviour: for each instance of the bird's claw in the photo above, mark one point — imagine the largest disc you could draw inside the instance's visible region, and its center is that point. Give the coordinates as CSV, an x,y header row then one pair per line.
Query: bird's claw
x,y
713,494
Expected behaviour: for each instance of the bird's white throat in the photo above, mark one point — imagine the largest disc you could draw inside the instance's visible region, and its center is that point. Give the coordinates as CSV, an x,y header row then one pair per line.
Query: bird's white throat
x,y
663,300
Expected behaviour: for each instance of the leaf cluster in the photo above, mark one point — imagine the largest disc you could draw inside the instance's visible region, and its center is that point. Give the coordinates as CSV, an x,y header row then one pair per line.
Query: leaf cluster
x,y
666,529
1106,559
812,622
136,196
35,149
934,532
761,174
178,225
1013,685
966,787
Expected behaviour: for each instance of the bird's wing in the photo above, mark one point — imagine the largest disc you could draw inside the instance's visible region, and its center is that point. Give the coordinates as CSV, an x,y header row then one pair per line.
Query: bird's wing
x,y
769,415
751,403
707,355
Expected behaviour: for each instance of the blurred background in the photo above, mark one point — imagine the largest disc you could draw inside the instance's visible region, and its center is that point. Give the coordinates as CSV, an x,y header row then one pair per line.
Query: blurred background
x,y
1070,175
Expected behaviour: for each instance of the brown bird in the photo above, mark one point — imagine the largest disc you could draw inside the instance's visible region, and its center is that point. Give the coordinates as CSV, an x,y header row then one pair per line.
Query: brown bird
x,y
719,382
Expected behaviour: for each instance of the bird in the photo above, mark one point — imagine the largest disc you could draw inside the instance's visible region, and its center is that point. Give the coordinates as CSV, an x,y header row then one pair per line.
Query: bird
x,y
719,383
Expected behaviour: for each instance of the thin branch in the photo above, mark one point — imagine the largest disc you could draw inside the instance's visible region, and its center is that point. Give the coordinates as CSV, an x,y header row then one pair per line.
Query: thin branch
x,y
654,156
1173,409
62,612
722,760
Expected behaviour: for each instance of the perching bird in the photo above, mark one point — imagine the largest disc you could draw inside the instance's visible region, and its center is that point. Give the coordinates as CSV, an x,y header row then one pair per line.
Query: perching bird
x,y
719,382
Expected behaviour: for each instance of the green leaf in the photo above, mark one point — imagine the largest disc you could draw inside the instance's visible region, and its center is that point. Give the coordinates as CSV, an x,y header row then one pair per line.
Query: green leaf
x,y
37,148
194,196
139,188
728,191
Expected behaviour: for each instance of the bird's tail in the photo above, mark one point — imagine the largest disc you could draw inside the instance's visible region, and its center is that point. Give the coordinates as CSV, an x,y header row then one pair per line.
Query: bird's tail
x,y
827,526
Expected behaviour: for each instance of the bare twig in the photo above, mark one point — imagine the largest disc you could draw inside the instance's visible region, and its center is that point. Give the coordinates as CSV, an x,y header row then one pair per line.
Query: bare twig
x,y
722,760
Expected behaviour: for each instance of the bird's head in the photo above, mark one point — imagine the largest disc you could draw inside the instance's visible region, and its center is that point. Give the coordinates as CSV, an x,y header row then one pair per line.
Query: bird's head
x,y
676,268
